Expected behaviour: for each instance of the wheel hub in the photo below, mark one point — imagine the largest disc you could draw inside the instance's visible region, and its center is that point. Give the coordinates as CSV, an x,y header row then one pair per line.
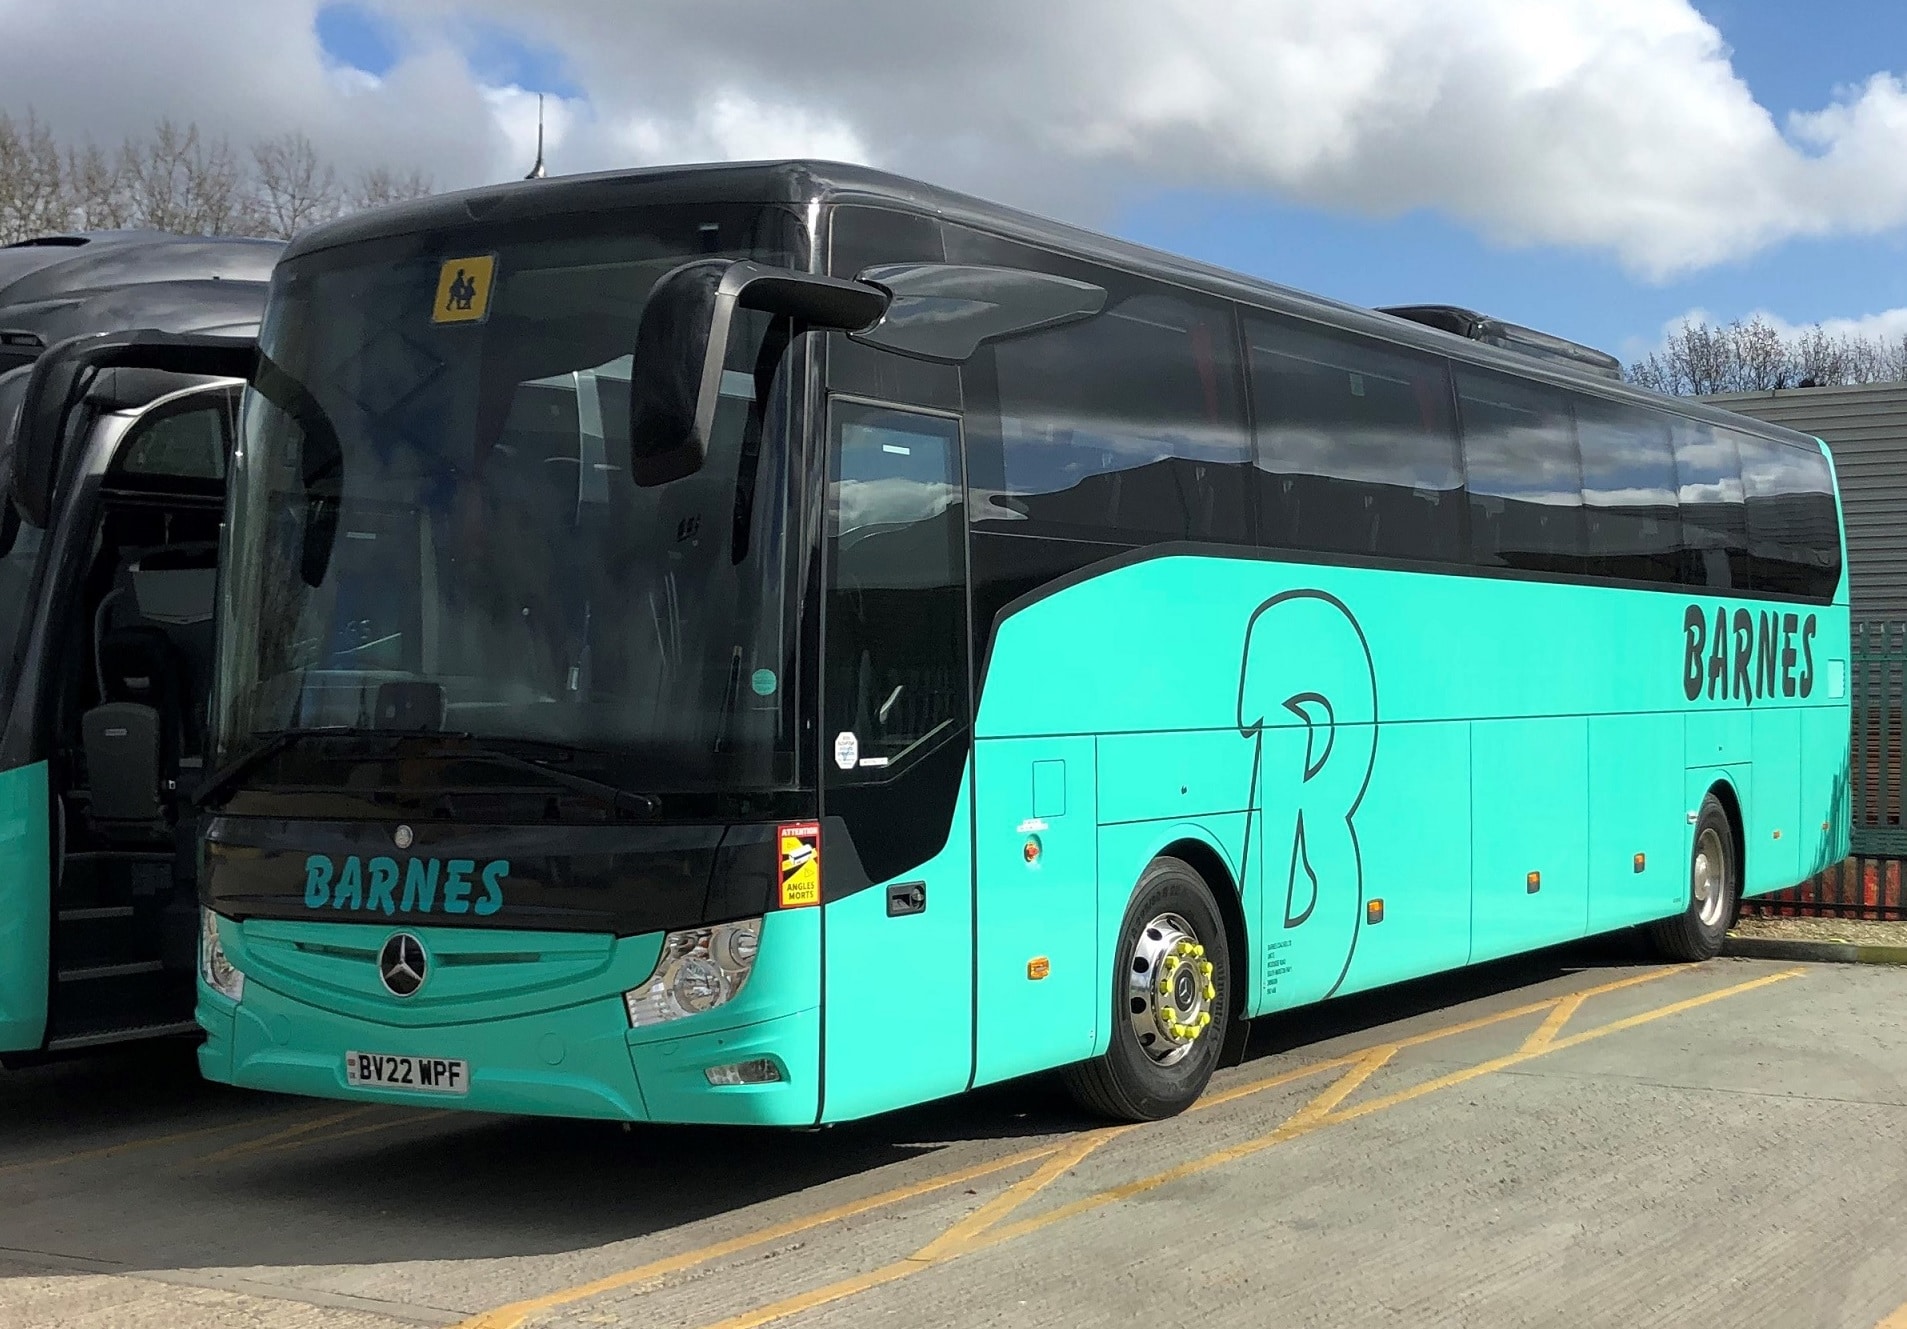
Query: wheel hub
x,y
1710,885
1171,992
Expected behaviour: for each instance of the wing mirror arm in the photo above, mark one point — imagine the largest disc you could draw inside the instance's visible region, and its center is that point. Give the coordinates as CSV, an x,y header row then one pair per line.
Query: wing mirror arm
x,y
682,347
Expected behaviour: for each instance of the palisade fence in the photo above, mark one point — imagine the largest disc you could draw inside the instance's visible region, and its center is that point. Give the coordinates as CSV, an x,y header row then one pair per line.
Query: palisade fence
x,y
1868,883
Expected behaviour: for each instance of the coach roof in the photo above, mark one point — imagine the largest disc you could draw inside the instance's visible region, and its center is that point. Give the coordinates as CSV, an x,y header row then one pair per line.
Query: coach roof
x,y
800,183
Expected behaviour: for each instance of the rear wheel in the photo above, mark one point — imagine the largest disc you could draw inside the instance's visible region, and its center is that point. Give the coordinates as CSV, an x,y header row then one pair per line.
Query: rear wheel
x,y
1171,993
1714,883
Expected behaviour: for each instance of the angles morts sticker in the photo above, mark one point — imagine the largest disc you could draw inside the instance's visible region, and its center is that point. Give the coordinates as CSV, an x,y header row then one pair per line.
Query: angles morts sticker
x,y
800,853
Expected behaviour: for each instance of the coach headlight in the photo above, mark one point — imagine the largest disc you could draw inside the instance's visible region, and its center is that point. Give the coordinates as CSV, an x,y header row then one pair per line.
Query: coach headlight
x,y
220,973
697,971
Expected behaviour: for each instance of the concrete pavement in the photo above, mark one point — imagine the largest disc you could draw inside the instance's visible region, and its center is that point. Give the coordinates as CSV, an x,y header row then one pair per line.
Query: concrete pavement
x,y
1578,1138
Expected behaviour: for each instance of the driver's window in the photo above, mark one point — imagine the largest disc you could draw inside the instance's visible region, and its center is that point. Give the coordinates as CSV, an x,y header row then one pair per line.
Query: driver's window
x,y
189,444
896,630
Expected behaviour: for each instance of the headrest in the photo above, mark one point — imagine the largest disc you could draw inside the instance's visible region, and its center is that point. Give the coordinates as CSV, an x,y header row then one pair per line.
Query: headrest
x,y
135,658
176,584
174,595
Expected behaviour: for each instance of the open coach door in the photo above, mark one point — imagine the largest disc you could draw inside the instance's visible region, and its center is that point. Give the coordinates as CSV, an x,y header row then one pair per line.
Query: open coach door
x,y
116,483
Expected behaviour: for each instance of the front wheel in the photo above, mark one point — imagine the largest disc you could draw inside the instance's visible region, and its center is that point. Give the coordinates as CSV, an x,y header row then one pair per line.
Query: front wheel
x,y
1714,882
1171,993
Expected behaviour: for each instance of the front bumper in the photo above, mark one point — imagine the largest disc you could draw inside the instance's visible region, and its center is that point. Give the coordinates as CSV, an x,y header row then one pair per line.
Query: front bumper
x,y
529,1054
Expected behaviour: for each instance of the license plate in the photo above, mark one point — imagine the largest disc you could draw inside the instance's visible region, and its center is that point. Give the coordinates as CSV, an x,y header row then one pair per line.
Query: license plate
x,y
430,1075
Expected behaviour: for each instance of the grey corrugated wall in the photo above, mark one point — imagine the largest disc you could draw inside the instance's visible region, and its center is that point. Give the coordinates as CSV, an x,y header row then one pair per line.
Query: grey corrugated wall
x,y
1866,427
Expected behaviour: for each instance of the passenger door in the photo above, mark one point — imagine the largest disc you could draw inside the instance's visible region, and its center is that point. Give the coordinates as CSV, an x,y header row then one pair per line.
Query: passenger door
x,y
896,839
125,899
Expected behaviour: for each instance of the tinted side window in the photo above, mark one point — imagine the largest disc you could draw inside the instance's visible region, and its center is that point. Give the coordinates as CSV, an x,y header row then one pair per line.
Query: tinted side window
x,y
189,442
1793,544
896,633
1629,492
1524,476
1714,521
1356,445
858,238
1126,427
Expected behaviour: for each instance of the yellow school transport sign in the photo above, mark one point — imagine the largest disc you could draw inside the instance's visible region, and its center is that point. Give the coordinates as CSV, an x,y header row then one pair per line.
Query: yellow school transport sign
x,y
463,289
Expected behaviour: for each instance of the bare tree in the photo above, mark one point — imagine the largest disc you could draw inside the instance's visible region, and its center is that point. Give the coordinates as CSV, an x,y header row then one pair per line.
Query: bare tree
x,y
97,195
1699,359
154,172
295,187
179,179
32,184
380,185
218,199
1760,356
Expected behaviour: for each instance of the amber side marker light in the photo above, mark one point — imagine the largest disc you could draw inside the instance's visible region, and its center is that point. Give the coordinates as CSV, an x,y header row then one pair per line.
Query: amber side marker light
x,y
1374,912
1533,883
1038,967
1641,861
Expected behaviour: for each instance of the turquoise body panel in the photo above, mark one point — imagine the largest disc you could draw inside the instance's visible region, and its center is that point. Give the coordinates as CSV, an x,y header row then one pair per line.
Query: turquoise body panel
x,y
539,1017
899,1008
1635,762
1513,728
26,903
1036,796
1397,773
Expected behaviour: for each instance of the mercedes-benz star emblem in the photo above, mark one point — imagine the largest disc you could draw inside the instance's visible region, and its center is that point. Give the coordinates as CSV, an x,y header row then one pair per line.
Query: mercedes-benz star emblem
x,y
402,966
403,837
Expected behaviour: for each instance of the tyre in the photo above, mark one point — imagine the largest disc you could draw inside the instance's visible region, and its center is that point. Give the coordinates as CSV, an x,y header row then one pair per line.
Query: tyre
x,y
1714,884
1171,1001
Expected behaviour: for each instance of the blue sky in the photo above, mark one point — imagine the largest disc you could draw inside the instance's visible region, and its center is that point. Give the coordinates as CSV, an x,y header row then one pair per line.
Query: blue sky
x,y
1793,56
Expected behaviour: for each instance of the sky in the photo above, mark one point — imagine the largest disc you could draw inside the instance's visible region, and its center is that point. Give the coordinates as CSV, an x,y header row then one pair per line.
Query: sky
x,y
1600,169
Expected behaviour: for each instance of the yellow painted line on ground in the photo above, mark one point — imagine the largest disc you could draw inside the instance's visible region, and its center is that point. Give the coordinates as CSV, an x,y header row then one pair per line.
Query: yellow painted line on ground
x,y
1286,1130
128,1146
1236,1092
1019,1193
1315,1115
1233,1093
266,1142
956,1240
414,1120
1553,1023
1344,1086
517,1313
1360,1065
969,1235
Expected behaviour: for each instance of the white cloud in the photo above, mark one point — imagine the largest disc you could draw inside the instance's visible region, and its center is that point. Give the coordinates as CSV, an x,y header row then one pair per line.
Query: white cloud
x,y
1887,325
514,111
1611,125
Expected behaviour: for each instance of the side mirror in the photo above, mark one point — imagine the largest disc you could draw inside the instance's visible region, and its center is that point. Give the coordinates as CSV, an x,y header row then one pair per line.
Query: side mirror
x,y
682,347
57,386
944,311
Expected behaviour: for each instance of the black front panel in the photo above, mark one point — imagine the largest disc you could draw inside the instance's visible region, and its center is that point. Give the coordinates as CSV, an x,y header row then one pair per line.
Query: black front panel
x,y
625,880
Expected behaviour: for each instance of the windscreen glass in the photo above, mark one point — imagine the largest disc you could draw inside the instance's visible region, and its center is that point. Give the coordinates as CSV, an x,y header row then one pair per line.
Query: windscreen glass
x,y
433,524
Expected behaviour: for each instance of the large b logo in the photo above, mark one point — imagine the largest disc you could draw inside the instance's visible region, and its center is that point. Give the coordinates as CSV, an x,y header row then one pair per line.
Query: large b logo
x,y
1307,700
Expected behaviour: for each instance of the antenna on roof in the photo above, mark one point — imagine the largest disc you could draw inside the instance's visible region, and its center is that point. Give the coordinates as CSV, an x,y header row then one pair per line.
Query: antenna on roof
x,y
537,172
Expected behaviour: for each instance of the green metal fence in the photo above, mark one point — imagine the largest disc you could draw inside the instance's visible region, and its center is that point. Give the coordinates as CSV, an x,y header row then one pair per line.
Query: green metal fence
x,y
1868,884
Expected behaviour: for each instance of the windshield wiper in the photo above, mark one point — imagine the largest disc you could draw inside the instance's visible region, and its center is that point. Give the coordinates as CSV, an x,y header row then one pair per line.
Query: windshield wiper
x,y
275,742
466,749
615,796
